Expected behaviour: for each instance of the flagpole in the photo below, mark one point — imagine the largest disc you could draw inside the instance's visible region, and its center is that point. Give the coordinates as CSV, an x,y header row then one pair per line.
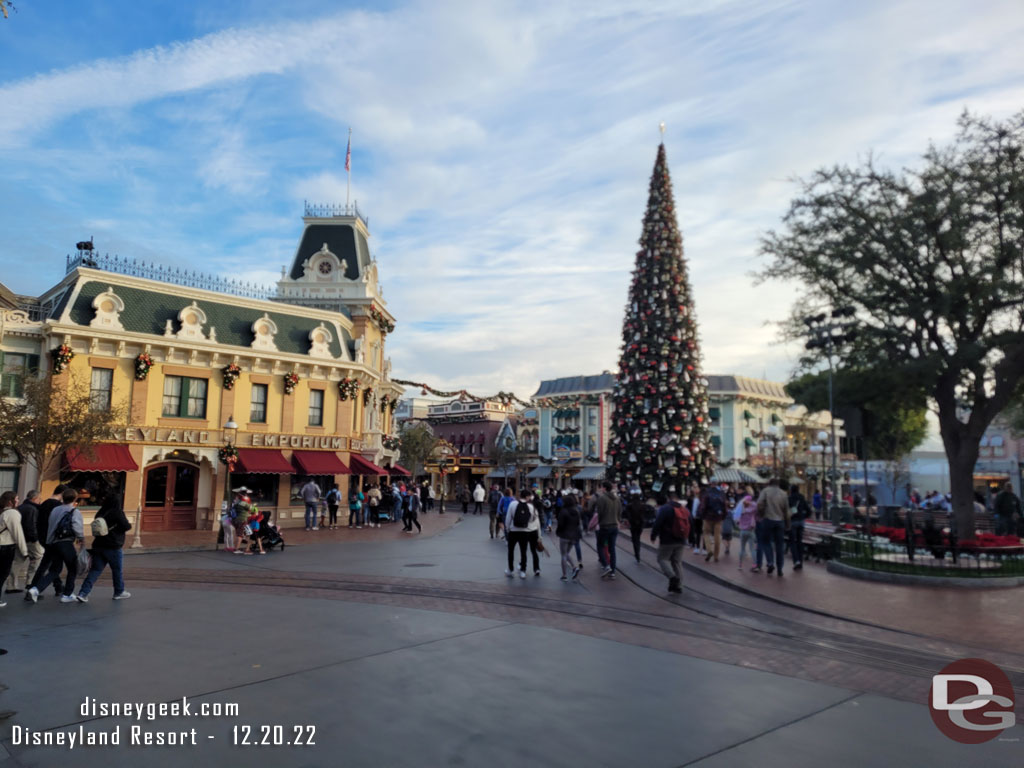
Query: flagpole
x,y
348,170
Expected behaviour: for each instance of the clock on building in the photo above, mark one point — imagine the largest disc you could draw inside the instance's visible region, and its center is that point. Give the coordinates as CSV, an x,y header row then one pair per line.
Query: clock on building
x,y
325,267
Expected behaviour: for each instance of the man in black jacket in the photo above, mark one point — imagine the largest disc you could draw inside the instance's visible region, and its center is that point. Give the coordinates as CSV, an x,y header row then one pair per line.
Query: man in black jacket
x,y
42,528
670,550
24,568
799,511
106,550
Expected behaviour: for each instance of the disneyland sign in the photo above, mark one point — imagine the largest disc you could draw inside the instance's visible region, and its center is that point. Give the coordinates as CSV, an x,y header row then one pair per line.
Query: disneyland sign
x,y
216,437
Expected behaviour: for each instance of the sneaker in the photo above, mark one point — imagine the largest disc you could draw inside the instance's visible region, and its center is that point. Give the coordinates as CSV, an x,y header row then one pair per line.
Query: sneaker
x,y
307,527
359,527
229,549
67,599
798,567
638,561
606,570
564,578
33,594
576,572
771,569
509,573
522,574
316,527
756,569
536,573
123,596
82,598
4,605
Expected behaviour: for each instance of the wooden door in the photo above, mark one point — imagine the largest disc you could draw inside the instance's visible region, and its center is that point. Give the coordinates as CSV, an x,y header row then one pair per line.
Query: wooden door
x,y
170,495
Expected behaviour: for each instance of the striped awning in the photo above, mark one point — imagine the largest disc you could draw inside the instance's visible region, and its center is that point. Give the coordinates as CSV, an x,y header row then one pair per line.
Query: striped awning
x,y
540,473
590,473
104,457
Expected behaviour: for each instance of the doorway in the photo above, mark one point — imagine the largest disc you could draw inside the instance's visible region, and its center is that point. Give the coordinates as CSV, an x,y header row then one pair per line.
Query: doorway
x,y
170,494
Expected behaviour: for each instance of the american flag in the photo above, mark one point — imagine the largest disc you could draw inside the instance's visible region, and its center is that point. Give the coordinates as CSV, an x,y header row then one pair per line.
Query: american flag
x,y
348,153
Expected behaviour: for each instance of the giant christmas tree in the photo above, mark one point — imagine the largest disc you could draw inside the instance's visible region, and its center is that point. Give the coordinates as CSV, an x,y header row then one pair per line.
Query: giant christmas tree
x,y
660,438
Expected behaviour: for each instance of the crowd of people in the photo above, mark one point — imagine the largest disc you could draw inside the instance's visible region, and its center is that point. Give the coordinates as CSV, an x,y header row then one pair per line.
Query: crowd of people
x,y
42,545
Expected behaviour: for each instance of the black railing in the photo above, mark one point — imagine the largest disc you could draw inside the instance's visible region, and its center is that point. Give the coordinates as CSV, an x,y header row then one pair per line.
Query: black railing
x,y
184,277
328,211
939,557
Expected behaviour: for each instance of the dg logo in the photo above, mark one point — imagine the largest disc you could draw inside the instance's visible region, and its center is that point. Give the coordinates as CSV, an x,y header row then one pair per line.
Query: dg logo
x,y
971,701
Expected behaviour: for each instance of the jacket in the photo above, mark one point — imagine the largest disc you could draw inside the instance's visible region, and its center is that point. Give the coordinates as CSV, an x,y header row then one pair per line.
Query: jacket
x,y
799,509
117,526
533,525
310,492
76,523
609,510
29,522
568,526
494,499
479,494
663,528
635,513
43,518
773,504
1007,504
11,532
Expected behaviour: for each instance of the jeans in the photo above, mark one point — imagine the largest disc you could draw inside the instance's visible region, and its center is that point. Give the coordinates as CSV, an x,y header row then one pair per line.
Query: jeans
x,y
670,560
775,539
565,548
411,518
523,539
696,531
579,553
62,553
796,542
100,559
311,514
606,537
229,531
759,536
635,534
355,516
494,522
333,510
478,507
747,540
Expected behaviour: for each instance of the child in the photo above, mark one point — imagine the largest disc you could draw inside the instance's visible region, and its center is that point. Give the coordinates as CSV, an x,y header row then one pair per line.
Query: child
x,y
254,525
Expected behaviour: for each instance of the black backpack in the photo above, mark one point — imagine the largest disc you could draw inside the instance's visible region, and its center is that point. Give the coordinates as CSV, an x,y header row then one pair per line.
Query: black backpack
x,y
522,514
65,530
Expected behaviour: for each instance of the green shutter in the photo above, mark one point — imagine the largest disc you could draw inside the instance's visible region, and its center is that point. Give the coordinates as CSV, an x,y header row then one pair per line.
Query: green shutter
x,y
775,419
747,415
749,442
716,441
714,413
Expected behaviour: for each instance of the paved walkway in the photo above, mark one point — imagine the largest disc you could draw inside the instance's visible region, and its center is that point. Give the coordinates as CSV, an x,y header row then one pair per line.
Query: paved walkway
x,y
417,651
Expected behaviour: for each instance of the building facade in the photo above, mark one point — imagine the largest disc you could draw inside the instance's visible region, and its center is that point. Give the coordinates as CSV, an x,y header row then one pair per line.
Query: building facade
x,y
471,429
298,390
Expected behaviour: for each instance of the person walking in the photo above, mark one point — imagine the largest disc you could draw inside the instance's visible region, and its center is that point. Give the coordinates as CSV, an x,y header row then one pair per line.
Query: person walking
x,y
333,502
635,512
24,568
502,520
671,525
42,527
464,498
523,523
411,517
479,496
493,500
107,548
355,507
609,518
773,505
1007,510
311,497
65,531
712,512
696,521
567,529
745,516
799,511
373,500
12,538
425,497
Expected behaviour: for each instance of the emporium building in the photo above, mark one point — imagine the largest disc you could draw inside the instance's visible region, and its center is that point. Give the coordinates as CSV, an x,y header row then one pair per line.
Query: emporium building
x,y
295,379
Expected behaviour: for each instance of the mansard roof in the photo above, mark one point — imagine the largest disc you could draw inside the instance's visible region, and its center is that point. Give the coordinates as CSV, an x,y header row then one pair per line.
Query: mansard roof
x,y
345,240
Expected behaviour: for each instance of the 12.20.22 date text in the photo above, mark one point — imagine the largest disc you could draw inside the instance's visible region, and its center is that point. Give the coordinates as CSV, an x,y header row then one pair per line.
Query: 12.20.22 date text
x,y
273,736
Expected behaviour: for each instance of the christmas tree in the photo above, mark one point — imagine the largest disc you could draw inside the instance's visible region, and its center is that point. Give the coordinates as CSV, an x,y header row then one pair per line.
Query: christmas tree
x,y
660,438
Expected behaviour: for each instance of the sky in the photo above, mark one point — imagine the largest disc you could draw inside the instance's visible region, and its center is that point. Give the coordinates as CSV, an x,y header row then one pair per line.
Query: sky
x,y
501,151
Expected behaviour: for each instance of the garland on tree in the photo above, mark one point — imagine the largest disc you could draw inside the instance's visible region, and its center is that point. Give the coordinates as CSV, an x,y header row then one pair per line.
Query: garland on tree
x,y
659,435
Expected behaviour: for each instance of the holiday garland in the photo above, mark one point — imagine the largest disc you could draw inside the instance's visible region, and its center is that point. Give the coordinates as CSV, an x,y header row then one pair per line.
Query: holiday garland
x,y
231,372
367,396
62,357
391,443
659,435
228,455
291,380
348,388
142,365
385,325
385,400
502,397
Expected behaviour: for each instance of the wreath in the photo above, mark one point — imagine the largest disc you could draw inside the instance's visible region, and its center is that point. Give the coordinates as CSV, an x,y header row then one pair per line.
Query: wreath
x,y
290,382
348,388
367,396
391,443
62,357
385,325
142,365
228,455
231,373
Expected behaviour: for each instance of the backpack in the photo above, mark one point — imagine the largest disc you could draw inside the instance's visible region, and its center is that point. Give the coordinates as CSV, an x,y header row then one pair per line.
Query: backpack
x,y
522,515
714,504
332,496
64,530
681,522
99,527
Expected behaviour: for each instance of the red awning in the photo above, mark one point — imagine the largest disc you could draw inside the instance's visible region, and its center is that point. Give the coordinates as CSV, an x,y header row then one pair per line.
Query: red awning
x,y
398,469
361,466
320,463
105,457
257,462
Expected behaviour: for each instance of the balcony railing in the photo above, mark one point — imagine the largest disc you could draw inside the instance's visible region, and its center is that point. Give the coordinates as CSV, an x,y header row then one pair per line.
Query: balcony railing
x,y
329,211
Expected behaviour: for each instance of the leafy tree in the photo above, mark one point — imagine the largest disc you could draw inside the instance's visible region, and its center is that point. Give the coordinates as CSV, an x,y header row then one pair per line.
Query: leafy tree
x,y
510,456
50,419
418,442
932,261
894,417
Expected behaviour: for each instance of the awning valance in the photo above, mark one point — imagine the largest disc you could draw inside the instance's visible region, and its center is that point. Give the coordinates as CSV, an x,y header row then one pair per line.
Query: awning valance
x,y
320,463
540,473
589,473
749,442
398,469
105,457
501,474
361,466
259,462
728,475
747,415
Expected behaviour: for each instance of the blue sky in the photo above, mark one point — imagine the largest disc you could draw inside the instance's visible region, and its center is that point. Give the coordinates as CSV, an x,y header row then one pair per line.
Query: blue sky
x,y
501,150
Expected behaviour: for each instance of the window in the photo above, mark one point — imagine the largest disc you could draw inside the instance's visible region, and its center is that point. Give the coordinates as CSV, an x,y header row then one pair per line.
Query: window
x,y
258,404
316,407
14,368
100,387
263,487
592,417
184,397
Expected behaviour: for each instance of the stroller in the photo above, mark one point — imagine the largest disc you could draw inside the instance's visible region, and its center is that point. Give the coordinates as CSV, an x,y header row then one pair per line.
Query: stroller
x,y
270,535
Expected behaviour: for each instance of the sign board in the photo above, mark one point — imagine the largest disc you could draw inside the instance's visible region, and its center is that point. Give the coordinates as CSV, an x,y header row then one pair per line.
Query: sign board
x,y
479,470
561,452
575,454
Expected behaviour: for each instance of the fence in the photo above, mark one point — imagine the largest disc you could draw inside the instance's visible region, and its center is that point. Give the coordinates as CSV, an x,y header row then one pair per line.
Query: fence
x,y
938,555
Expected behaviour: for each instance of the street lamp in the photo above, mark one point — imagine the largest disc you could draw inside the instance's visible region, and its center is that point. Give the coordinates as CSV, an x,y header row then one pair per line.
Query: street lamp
x,y
822,446
773,438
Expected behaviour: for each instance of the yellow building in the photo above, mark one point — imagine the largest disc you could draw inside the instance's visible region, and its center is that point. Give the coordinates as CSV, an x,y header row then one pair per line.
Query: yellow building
x,y
307,386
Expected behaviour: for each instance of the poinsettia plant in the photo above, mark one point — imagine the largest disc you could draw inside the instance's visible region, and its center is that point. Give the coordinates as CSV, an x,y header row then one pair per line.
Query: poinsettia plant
x,y
142,365
348,388
385,325
291,380
231,373
62,357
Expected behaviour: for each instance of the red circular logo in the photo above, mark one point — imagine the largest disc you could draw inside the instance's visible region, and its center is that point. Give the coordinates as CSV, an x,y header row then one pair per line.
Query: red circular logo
x,y
971,701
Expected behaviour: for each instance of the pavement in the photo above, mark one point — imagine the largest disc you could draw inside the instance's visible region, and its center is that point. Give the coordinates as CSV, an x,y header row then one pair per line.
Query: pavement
x,y
416,650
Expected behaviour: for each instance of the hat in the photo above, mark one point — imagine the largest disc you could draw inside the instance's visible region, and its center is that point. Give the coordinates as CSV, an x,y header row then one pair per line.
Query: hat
x,y
241,489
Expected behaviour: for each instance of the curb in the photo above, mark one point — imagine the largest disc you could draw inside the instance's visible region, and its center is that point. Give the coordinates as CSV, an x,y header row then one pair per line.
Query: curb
x,y
920,580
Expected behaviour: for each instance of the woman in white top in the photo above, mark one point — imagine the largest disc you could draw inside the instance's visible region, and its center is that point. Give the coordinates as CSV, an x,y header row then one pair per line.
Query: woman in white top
x,y
12,538
523,529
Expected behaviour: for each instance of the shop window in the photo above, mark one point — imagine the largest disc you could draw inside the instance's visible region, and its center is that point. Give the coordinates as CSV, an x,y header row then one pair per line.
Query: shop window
x,y
184,397
100,387
92,486
8,479
14,368
323,482
258,404
316,407
264,487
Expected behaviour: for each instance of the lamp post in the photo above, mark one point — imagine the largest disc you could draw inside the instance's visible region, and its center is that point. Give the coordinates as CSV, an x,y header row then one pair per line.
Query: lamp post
x,y
774,439
822,446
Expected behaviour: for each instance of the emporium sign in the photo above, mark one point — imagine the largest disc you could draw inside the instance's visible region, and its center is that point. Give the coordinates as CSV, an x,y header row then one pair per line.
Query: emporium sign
x,y
216,437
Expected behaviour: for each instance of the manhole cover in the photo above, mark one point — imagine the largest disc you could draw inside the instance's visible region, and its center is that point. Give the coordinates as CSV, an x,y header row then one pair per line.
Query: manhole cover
x,y
419,565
